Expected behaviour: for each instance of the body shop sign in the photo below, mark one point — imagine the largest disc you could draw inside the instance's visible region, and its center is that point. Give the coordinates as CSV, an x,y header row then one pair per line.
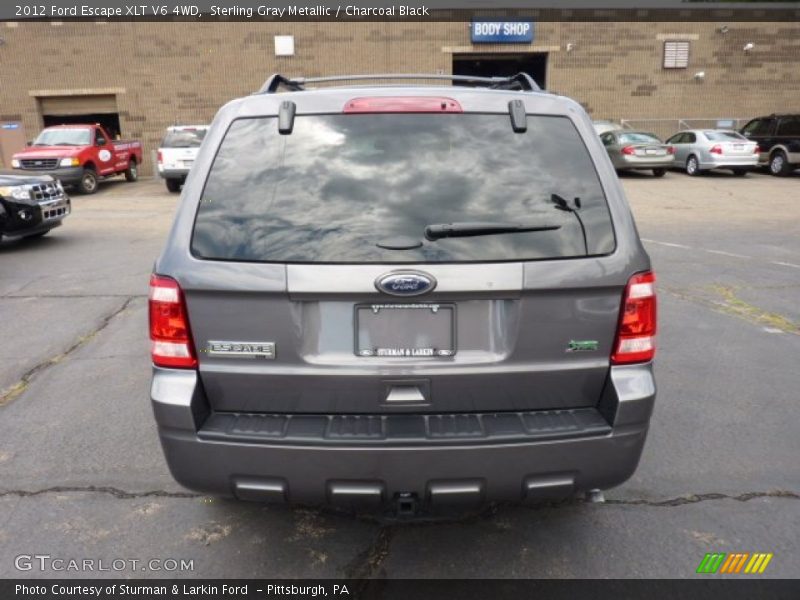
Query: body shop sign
x,y
502,32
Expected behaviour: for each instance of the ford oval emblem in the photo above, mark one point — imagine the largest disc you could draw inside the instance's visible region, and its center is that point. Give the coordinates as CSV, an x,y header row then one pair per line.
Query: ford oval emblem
x,y
405,283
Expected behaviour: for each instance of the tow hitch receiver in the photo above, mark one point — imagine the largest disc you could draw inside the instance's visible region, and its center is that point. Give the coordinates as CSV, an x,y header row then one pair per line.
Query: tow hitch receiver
x,y
406,504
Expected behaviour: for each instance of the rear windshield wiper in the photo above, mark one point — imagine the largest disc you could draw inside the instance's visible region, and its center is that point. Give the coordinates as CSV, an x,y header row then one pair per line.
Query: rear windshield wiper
x,y
438,231
562,204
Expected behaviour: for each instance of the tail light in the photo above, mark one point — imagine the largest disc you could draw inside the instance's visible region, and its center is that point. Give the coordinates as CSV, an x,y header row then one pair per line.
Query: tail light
x,y
716,149
670,149
170,335
756,150
628,150
636,331
160,156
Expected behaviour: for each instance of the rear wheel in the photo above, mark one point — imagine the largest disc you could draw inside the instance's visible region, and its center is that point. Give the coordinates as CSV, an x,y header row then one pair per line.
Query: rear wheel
x,y
692,166
659,172
88,183
132,172
779,165
174,185
740,172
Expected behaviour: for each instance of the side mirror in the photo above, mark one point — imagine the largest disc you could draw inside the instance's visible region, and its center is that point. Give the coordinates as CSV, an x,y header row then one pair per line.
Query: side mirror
x,y
101,142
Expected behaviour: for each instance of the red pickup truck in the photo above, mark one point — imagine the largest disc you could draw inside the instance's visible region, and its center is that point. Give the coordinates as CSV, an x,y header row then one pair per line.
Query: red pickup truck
x,y
79,155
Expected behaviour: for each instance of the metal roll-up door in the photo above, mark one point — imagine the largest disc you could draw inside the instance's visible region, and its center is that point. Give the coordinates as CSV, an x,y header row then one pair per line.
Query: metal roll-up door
x,y
78,105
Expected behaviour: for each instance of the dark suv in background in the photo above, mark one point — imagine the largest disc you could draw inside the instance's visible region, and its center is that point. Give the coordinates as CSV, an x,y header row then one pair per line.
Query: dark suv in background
x,y
406,295
778,137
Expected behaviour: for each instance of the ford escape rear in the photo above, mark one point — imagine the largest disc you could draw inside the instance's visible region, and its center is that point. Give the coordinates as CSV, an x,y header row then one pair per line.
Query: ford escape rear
x,y
408,294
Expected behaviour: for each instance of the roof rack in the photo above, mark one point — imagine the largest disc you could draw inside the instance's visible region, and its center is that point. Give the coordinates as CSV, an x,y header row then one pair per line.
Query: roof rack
x,y
520,81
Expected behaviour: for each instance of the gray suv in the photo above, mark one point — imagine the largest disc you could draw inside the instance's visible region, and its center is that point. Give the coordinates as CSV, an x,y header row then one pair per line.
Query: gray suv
x,y
403,296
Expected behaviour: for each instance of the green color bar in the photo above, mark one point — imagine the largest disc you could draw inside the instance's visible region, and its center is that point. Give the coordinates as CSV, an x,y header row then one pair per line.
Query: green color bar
x,y
711,562
716,565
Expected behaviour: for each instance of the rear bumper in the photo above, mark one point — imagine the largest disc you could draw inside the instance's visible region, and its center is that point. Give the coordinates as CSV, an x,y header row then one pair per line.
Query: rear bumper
x,y
67,175
172,173
645,162
731,162
268,463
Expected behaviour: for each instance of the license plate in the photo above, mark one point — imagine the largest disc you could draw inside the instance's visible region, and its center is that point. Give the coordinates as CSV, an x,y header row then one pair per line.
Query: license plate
x,y
405,330
188,163
651,151
738,146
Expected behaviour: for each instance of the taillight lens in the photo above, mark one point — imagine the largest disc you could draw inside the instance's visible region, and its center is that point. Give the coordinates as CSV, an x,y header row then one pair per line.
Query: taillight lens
x,y
756,150
636,332
160,156
716,149
628,150
170,335
670,149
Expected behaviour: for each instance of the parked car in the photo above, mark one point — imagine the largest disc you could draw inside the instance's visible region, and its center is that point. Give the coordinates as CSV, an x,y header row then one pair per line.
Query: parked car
x,y
778,138
402,296
30,206
177,153
79,155
637,150
698,150
601,126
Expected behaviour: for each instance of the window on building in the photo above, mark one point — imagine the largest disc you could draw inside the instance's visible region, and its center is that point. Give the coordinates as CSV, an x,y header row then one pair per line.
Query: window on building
x,y
676,55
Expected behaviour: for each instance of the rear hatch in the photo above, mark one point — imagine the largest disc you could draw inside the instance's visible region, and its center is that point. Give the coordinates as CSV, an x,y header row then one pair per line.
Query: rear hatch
x,y
179,147
427,263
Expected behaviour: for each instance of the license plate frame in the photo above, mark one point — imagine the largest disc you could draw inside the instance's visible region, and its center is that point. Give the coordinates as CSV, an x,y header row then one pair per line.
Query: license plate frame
x,y
444,313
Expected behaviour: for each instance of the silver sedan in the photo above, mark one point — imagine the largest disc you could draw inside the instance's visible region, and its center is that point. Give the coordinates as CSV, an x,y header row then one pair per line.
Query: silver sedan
x,y
630,150
698,150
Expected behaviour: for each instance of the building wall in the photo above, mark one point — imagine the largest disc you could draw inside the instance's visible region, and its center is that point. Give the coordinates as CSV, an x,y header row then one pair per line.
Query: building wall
x,y
168,72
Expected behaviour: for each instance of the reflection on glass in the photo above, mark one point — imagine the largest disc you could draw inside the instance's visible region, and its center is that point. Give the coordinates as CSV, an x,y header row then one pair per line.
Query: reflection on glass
x,y
340,184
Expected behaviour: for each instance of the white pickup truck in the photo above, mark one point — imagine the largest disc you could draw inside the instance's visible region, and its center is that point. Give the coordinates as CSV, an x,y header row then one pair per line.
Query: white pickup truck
x,y
177,153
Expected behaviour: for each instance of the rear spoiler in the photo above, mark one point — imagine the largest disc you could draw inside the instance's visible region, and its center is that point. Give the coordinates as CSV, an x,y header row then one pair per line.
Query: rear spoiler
x,y
520,81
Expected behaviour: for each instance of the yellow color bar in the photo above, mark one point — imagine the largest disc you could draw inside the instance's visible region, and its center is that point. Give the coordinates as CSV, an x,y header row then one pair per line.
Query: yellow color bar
x,y
754,562
765,563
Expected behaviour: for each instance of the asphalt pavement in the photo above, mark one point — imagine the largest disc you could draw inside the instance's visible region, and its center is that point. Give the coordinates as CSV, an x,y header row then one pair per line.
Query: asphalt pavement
x,y
82,475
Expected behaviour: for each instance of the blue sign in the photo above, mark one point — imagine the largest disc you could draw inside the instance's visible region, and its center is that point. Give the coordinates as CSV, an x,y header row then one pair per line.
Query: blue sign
x,y
10,126
502,32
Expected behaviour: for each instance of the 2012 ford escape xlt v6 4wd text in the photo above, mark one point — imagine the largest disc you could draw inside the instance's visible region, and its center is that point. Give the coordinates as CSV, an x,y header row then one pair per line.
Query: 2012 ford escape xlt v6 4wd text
x,y
406,296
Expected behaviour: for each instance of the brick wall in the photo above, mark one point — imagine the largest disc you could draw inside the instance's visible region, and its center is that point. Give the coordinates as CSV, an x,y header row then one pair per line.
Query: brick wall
x,y
185,71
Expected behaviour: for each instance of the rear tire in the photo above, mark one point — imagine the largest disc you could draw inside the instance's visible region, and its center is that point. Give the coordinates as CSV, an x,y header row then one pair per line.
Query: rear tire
x,y
692,166
132,172
88,182
659,172
174,185
740,172
779,164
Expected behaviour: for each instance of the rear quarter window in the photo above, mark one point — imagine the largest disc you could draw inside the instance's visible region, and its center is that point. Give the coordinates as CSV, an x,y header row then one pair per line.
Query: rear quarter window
x,y
340,185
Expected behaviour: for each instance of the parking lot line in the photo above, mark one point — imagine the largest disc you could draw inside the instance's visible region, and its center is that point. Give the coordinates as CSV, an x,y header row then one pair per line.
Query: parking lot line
x,y
720,252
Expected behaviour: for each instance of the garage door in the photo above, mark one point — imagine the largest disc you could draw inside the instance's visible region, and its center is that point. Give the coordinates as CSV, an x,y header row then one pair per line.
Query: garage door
x,y
78,105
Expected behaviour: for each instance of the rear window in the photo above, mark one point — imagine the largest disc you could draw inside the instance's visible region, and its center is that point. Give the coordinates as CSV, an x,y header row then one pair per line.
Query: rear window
x,y
789,126
340,185
184,138
724,136
638,138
